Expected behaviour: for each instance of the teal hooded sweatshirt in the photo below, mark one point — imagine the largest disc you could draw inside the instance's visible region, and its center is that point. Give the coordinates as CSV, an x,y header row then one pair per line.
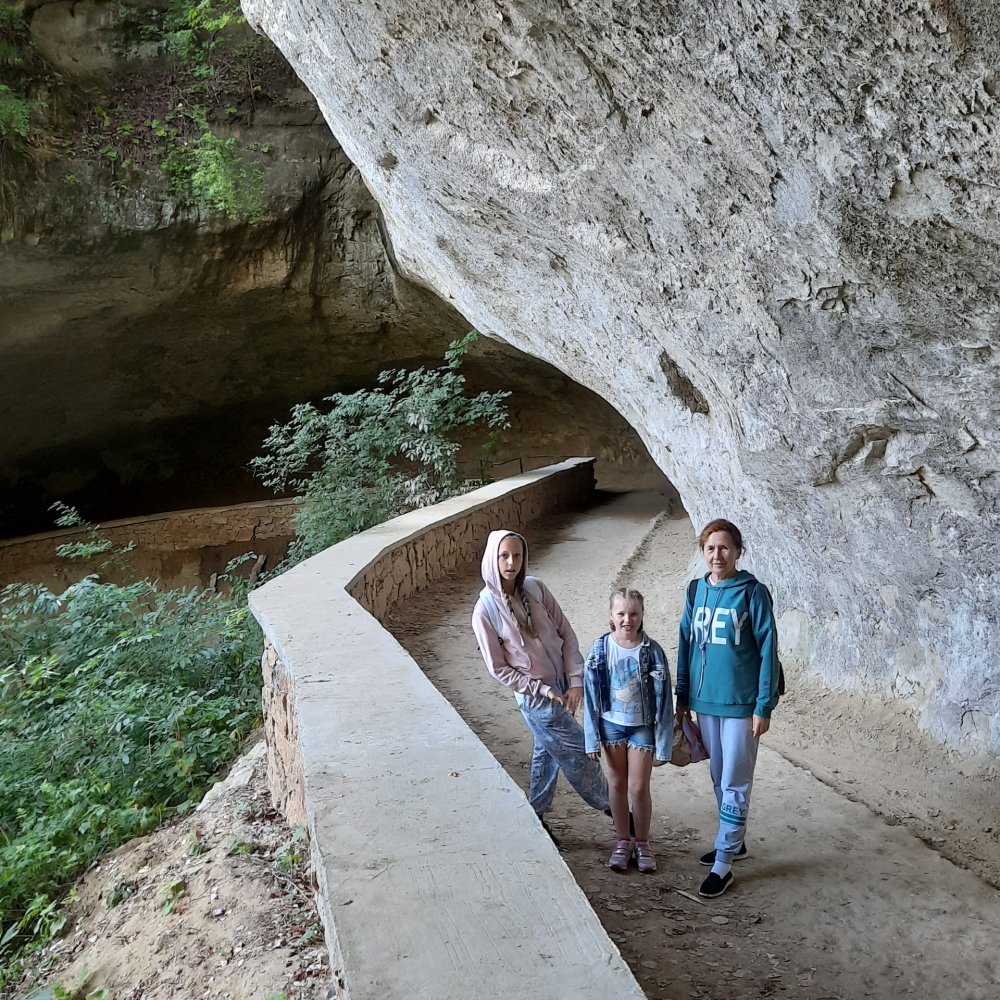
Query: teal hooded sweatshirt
x,y
727,651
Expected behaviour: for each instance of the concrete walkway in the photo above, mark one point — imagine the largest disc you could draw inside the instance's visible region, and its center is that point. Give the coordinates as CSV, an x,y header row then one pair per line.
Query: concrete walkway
x,y
832,902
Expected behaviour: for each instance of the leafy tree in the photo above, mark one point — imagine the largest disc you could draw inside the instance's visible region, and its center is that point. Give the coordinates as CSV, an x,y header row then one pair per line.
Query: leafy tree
x,y
378,452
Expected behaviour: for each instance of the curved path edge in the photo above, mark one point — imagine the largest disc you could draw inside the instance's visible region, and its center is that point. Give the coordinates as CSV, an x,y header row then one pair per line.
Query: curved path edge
x,y
435,879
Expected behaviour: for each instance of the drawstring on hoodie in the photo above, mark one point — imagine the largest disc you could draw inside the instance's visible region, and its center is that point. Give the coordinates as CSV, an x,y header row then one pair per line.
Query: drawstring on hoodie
x,y
703,643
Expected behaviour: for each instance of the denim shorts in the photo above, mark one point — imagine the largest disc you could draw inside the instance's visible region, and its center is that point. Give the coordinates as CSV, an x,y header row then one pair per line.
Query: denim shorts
x,y
639,737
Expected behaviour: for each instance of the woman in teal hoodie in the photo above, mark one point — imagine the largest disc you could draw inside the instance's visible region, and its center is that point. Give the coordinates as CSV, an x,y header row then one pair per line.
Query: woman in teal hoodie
x,y
727,672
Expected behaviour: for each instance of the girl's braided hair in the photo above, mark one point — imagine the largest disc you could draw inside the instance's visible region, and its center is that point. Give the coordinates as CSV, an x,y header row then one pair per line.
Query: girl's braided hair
x,y
519,587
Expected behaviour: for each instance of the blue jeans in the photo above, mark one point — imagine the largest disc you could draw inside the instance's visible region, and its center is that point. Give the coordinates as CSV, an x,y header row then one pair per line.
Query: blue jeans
x,y
559,744
637,737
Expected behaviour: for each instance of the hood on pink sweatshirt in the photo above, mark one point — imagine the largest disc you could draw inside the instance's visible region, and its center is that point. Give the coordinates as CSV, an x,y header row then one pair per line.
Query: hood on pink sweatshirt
x,y
493,580
529,664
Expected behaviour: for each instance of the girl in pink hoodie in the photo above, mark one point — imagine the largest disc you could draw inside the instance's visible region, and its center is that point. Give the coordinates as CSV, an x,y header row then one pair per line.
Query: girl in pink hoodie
x,y
529,646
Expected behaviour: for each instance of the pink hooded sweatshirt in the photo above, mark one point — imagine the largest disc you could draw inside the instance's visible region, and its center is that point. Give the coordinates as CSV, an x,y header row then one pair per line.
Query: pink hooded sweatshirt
x,y
529,665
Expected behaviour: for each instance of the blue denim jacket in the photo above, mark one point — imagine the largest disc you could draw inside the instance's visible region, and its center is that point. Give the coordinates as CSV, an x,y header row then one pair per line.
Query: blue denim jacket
x,y
657,697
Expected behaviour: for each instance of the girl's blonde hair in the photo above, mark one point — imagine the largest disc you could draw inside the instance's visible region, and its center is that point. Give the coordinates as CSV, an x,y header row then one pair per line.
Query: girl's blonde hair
x,y
627,594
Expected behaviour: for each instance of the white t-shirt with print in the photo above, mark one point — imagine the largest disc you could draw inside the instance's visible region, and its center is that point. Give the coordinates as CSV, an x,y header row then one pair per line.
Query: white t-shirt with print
x,y
626,692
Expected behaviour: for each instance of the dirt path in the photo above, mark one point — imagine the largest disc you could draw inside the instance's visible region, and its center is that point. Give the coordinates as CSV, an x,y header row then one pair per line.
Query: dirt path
x,y
835,901
217,904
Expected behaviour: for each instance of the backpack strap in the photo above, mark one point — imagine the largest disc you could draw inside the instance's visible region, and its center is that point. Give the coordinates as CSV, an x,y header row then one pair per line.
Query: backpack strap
x,y
781,670
692,592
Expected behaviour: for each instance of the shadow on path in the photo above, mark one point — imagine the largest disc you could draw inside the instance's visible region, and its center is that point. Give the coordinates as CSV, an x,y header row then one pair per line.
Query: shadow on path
x,y
832,903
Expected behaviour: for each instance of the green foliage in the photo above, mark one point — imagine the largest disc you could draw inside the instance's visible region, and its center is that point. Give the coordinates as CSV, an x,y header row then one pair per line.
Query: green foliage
x,y
194,29
172,122
19,71
289,854
15,114
117,892
214,174
171,894
16,70
118,704
24,78
377,452
73,991
241,848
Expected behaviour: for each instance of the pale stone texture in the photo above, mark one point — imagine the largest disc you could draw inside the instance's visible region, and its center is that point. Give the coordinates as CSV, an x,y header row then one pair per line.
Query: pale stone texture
x,y
429,860
767,234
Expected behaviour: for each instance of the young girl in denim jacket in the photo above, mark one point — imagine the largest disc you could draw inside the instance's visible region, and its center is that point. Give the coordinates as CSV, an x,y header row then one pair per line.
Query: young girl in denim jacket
x,y
628,713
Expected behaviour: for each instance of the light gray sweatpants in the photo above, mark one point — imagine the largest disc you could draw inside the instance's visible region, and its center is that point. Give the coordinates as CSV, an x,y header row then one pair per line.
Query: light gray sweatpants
x,y
732,757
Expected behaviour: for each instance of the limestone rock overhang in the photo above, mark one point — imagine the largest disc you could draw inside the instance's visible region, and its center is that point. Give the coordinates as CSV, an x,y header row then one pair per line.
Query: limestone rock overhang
x,y
767,235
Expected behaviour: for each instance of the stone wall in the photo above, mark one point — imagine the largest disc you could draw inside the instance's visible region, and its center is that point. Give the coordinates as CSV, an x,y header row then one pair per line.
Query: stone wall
x,y
281,734
446,548
184,548
381,769
403,562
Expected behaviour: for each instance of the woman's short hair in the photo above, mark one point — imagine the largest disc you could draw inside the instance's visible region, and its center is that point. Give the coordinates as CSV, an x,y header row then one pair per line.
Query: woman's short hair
x,y
720,524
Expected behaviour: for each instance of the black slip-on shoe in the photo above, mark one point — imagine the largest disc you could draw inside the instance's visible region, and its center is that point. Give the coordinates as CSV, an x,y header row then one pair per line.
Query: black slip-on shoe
x,y
715,885
709,859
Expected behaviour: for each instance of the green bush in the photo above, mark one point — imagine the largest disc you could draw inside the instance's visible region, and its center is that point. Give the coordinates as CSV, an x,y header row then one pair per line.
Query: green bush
x,y
215,174
18,69
15,114
194,26
378,452
118,704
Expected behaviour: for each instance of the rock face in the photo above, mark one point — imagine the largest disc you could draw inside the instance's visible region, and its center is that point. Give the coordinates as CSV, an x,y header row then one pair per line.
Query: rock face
x,y
767,234
147,346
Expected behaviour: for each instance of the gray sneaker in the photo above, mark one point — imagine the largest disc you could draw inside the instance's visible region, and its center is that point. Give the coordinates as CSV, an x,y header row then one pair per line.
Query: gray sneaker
x,y
621,855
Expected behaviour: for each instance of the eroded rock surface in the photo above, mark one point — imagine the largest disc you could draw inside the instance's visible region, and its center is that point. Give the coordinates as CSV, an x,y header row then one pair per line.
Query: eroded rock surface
x,y
767,234
146,345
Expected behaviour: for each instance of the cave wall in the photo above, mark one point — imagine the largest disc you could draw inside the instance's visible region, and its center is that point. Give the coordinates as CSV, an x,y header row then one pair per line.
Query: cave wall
x,y
767,235
147,344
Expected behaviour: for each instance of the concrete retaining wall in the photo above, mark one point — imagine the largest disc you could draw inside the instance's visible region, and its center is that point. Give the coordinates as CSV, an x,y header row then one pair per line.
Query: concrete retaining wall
x,y
435,880
180,549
